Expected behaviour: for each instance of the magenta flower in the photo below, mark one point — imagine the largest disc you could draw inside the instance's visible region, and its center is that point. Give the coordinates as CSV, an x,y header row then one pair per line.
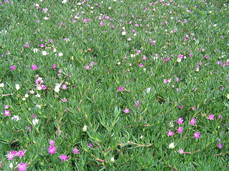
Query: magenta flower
x,y
63,157
54,66
34,67
27,45
120,89
6,112
75,151
21,153
197,135
170,133
90,145
180,121
179,130
220,146
13,67
211,117
140,65
193,121
220,117
22,167
137,104
126,110
10,156
52,149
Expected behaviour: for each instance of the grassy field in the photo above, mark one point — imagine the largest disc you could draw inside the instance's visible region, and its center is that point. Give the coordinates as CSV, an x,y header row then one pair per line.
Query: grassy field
x,y
114,85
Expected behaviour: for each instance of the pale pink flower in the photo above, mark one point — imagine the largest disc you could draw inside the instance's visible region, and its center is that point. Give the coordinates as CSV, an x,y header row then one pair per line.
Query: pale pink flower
x,y
75,151
87,67
193,121
180,121
120,89
126,110
21,153
179,130
22,167
211,117
34,67
51,142
6,112
181,151
220,146
170,133
63,157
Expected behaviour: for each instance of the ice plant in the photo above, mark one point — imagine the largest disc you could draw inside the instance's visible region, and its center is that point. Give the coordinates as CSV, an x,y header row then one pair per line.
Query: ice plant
x,y
34,67
52,149
22,166
13,67
126,110
220,146
21,153
6,112
197,135
180,121
211,117
63,157
192,121
76,151
170,133
179,130
51,142
120,89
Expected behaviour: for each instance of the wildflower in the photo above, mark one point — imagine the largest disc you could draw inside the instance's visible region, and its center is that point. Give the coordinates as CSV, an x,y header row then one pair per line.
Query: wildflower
x,y
112,159
75,151
1,85
140,65
6,112
148,90
220,117
57,88
120,89
137,104
64,1
54,66
84,129
21,153
13,67
64,100
92,64
17,86
87,67
35,121
181,151
90,145
34,67
171,124
22,167
52,149
51,142
64,87
63,157
179,130
171,146
211,117
180,121
193,121
197,135
44,53
10,156
60,54
170,133
220,146
16,118
126,110
6,106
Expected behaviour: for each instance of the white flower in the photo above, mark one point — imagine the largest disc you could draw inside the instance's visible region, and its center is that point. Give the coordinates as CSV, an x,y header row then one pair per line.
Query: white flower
x,y
171,146
84,129
60,54
148,90
64,1
179,60
57,88
227,96
26,95
123,32
46,18
35,121
171,124
23,99
31,92
38,95
11,165
35,50
1,84
16,118
112,159
54,49
44,53
17,86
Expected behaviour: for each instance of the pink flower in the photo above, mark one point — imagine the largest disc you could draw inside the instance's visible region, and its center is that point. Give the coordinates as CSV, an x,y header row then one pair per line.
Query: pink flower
x,y
52,149
120,89
197,135
51,142
64,87
34,67
92,64
180,121
90,145
63,157
54,66
12,67
6,106
211,117
137,104
10,156
75,151
87,67
220,146
144,57
6,112
140,65
22,167
101,23
193,121
21,153
220,117
170,133
126,110
181,151
179,130
64,100
27,45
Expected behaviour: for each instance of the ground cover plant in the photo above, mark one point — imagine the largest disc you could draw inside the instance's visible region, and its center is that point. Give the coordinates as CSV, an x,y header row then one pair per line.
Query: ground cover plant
x,y
114,85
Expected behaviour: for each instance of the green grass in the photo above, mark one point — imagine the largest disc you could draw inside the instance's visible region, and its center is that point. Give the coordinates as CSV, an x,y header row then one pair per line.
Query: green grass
x,y
136,140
